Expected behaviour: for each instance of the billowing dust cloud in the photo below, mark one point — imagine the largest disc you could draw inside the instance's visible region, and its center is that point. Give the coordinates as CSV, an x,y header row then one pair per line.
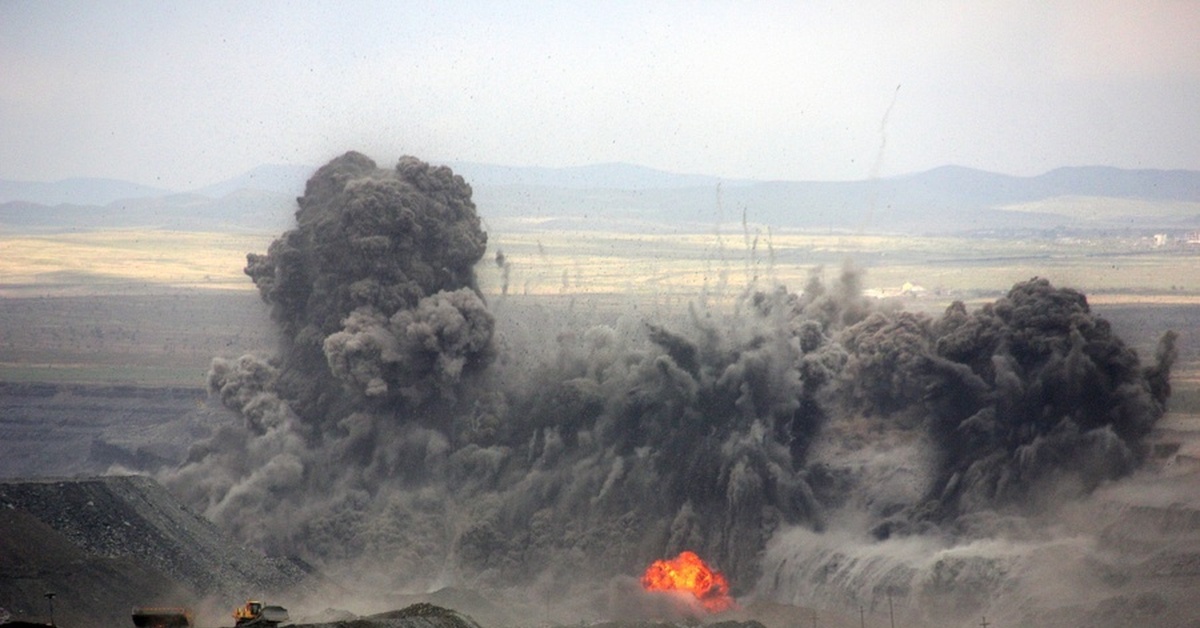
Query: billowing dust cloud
x,y
406,429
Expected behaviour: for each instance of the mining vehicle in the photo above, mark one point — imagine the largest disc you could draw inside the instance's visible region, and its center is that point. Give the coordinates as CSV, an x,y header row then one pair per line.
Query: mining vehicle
x,y
161,617
254,614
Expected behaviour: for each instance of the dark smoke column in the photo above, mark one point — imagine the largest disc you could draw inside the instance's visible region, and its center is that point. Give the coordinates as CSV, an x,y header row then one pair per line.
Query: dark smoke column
x,y
381,325
1031,399
375,286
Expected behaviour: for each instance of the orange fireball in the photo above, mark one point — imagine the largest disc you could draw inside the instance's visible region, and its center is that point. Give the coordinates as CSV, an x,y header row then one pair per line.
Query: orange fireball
x,y
687,572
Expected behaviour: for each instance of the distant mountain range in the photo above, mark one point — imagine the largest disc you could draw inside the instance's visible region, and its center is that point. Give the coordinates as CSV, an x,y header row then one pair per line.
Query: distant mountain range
x,y
942,200
611,176
74,191
243,210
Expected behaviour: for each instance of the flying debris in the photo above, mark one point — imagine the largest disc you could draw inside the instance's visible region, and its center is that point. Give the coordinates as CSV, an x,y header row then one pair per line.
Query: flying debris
x,y
161,617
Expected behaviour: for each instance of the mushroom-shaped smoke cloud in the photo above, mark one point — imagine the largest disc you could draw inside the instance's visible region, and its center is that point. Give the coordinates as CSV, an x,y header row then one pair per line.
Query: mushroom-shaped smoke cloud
x,y
371,246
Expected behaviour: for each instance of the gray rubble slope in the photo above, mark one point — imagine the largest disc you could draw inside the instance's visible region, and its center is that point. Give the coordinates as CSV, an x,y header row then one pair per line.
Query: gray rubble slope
x,y
421,615
135,519
89,590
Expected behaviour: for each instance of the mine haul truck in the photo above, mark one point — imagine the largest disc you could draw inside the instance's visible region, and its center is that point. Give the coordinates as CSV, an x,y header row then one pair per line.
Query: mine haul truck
x,y
254,614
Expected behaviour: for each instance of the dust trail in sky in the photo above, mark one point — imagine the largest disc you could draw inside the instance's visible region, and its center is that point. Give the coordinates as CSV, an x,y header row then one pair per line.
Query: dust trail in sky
x,y
406,435
877,166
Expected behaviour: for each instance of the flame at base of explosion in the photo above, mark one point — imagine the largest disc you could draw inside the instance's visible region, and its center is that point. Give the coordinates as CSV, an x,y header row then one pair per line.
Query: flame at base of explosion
x,y
689,573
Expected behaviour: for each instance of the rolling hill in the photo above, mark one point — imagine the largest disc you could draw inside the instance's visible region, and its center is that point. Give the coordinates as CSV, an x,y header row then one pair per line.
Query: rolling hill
x,y
949,199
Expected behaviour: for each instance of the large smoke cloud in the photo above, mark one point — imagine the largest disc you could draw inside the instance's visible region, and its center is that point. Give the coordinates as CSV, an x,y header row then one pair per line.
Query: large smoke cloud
x,y
403,425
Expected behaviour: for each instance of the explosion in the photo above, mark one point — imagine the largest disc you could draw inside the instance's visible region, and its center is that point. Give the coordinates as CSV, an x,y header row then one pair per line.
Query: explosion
x,y
690,574
406,430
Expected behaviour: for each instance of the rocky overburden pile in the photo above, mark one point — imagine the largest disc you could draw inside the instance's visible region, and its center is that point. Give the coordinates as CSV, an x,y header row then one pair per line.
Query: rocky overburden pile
x,y
128,539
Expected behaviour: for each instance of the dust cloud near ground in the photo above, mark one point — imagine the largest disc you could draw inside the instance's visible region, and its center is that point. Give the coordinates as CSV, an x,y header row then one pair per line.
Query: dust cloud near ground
x,y
819,448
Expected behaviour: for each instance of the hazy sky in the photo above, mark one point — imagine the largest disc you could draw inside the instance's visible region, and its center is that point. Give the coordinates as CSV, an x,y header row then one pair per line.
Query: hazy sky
x,y
182,94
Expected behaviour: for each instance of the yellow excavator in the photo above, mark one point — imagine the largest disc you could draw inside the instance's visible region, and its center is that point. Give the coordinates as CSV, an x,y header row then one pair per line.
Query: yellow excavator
x,y
253,613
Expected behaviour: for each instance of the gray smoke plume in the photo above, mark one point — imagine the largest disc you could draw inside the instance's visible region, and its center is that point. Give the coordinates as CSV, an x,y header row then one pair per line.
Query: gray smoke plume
x,y
1027,398
951,437
404,429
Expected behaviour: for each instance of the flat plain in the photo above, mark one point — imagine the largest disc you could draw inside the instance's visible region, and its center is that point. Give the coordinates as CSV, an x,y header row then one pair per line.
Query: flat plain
x,y
152,308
